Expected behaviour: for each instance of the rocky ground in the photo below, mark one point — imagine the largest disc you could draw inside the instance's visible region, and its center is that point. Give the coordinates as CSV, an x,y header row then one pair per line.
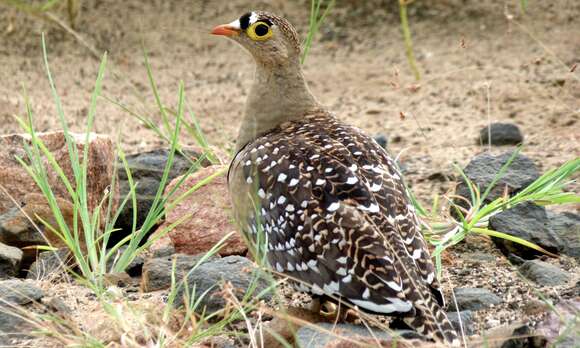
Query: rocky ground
x,y
483,65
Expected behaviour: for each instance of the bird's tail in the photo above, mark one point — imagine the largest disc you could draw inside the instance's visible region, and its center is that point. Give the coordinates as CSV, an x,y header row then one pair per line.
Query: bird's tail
x,y
431,321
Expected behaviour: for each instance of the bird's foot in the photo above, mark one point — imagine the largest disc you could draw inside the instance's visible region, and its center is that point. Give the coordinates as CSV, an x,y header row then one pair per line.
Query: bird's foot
x,y
338,313
289,320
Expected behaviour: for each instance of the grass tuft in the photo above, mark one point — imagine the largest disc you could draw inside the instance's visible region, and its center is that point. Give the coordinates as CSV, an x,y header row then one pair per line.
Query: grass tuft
x,y
443,231
88,235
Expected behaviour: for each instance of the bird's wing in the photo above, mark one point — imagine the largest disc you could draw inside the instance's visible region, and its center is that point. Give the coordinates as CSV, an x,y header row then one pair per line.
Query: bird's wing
x,y
336,216
335,212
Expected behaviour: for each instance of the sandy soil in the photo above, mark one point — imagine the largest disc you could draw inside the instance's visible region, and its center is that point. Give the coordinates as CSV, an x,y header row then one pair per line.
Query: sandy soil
x,y
480,62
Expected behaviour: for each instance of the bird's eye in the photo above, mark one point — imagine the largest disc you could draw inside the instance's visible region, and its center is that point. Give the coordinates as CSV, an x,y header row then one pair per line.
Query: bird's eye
x,y
259,31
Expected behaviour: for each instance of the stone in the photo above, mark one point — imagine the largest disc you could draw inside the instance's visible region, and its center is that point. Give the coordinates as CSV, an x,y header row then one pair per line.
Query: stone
x,y
466,321
161,247
529,222
206,216
543,273
567,227
325,335
479,257
515,259
473,299
572,292
16,229
133,269
501,134
119,280
440,177
27,225
499,335
12,326
50,264
18,183
10,259
382,140
560,326
157,271
56,304
525,337
535,307
147,170
5,341
484,167
19,292
211,277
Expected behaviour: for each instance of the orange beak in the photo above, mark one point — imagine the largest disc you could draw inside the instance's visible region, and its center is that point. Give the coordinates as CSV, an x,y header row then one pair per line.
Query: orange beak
x,y
225,30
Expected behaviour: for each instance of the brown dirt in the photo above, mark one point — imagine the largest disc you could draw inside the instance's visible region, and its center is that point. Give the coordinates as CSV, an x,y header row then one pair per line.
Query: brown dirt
x,y
480,62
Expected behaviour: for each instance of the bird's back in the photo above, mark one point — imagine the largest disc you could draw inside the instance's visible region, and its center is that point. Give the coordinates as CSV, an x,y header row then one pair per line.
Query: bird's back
x,y
336,217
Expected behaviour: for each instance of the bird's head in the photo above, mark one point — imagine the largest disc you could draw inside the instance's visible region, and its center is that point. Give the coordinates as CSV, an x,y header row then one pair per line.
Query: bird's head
x,y
271,39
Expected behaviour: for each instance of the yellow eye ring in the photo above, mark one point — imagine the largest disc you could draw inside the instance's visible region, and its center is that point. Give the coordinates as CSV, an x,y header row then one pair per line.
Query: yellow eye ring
x,y
259,31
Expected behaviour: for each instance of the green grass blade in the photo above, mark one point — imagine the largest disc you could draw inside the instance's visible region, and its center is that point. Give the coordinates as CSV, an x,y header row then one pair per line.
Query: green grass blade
x,y
407,38
511,238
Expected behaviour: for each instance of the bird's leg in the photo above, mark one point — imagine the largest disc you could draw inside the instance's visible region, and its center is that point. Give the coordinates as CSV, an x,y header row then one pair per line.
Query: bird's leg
x,y
333,312
291,319
315,305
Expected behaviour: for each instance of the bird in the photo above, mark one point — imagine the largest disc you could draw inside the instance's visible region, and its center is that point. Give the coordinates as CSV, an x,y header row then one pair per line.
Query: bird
x,y
325,202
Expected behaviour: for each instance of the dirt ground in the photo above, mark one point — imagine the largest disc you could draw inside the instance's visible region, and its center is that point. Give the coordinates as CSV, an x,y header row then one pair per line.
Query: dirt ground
x,y
481,61
477,66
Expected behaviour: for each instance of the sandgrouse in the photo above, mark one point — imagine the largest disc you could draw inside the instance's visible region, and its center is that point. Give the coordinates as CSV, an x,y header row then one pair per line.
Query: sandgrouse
x,y
330,202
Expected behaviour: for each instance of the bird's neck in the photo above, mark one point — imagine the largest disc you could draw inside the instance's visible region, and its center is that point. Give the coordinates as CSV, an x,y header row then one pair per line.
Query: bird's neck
x,y
278,95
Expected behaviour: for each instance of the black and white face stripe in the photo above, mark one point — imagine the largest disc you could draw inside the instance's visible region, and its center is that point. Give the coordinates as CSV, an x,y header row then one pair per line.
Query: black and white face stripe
x,y
245,20
248,19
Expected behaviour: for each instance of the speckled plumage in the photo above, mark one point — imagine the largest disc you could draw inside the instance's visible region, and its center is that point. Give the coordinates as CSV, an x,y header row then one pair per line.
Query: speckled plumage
x,y
333,208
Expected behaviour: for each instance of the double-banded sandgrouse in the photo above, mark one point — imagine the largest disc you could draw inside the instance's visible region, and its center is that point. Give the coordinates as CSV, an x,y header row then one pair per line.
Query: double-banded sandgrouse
x,y
329,200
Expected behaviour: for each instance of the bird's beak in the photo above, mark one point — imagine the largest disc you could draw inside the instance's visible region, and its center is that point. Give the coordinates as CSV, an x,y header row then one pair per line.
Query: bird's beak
x,y
225,30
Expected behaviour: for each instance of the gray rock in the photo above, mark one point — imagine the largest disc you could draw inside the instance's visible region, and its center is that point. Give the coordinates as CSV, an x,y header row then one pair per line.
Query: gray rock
x,y
572,292
567,227
211,276
56,304
527,221
17,230
10,259
14,293
12,325
50,263
501,134
321,336
382,140
515,259
558,325
483,168
473,299
134,268
478,257
157,271
466,321
19,292
440,177
147,171
543,273
165,251
525,337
